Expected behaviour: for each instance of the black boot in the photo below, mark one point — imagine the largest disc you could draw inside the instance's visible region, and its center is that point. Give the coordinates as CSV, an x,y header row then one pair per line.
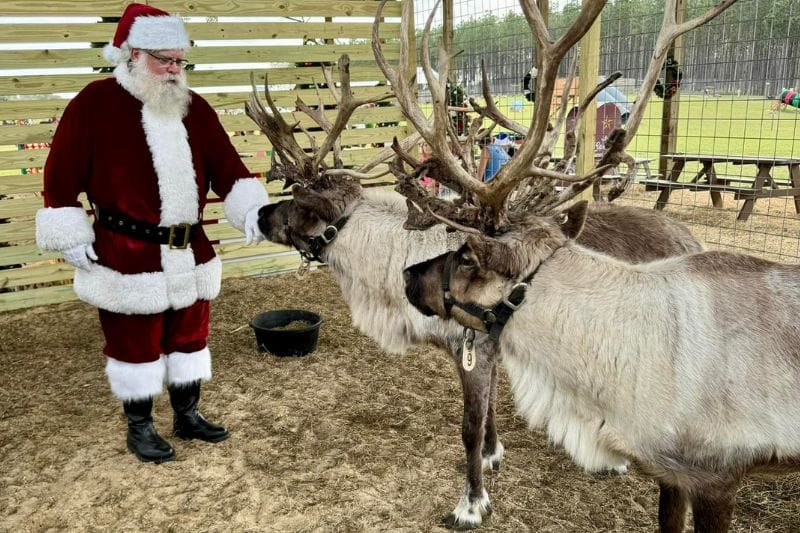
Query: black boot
x,y
189,423
143,440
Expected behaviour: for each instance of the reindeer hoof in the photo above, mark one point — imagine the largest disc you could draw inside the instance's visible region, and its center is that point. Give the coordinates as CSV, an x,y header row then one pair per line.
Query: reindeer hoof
x,y
468,514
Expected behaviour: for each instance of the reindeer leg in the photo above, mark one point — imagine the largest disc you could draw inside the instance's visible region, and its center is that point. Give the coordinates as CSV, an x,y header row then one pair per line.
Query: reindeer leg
x,y
492,448
672,505
474,503
712,508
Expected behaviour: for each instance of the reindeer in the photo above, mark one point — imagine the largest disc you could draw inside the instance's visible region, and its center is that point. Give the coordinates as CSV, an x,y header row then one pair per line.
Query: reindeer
x,y
695,391
360,234
654,363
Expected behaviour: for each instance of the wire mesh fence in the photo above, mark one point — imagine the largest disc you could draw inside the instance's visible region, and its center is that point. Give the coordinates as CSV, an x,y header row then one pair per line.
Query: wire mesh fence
x,y
737,101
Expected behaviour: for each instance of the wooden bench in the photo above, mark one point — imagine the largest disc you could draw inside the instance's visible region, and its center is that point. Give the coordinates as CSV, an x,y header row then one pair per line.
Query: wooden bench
x,y
760,185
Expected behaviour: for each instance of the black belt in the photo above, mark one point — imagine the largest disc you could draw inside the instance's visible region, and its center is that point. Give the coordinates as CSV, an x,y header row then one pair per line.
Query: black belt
x,y
176,236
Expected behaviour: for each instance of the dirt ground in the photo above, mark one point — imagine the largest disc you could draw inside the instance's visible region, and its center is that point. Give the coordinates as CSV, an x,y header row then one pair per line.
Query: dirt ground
x,y
347,439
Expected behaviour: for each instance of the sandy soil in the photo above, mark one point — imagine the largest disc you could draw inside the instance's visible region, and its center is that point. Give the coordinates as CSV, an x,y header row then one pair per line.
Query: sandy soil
x,y
346,439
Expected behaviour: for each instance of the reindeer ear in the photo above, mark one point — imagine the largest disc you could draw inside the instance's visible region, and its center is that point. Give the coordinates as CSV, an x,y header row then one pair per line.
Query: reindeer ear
x,y
493,254
480,247
572,220
314,202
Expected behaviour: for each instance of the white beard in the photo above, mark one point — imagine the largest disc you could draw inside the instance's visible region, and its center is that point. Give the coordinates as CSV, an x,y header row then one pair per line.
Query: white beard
x,y
166,95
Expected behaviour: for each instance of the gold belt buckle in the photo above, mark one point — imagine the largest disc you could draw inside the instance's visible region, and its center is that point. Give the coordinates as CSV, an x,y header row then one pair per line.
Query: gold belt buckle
x,y
186,234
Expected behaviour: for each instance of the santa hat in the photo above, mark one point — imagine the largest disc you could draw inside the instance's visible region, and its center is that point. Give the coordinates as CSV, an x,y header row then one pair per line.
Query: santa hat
x,y
145,27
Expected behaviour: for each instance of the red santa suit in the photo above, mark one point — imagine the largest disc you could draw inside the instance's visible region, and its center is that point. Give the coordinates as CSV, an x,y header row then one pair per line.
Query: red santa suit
x,y
156,168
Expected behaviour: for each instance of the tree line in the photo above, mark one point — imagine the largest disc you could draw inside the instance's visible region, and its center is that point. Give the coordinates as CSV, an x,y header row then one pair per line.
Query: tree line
x,y
751,49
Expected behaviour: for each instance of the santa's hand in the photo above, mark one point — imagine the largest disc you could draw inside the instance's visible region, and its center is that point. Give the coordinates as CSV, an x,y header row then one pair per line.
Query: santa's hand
x,y
252,232
80,256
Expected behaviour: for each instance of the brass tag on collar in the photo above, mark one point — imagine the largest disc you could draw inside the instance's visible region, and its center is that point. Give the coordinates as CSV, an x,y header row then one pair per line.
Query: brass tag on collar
x,y
468,356
302,270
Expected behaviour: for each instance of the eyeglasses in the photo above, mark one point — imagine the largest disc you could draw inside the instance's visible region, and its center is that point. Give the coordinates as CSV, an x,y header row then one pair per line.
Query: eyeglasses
x,y
165,61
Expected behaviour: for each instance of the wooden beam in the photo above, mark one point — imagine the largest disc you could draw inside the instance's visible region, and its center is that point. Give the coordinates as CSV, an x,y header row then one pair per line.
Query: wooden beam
x,y
588,70
670,108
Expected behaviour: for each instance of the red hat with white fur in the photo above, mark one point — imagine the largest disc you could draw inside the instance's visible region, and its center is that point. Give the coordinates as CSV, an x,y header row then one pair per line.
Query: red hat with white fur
x,y
145,27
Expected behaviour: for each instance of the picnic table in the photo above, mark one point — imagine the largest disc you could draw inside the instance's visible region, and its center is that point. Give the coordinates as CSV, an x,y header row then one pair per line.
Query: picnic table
x,y
761,184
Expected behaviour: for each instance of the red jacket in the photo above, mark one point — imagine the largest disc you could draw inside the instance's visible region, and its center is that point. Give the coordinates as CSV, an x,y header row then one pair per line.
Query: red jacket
x,y
153,168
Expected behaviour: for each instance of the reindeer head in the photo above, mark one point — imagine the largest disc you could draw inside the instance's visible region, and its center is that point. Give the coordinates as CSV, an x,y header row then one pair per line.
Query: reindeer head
x,y
309,212
322,189
485,269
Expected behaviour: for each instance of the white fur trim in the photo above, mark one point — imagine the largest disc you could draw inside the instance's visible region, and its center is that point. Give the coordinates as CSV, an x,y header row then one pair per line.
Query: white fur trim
x,y
61,228
158,33
246,194
179,272
172,159
135,381
117,56
183,368
208,277
146,293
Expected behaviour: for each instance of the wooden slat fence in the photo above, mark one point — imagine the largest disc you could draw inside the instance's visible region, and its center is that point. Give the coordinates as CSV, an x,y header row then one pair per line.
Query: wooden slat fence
x,y
228,38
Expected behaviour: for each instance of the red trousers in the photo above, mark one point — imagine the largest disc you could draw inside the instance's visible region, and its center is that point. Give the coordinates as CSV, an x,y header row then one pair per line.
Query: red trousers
x,y
145,338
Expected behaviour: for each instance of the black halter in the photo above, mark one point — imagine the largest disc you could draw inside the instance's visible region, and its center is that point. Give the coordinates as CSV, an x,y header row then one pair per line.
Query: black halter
x,y
318,243
494,318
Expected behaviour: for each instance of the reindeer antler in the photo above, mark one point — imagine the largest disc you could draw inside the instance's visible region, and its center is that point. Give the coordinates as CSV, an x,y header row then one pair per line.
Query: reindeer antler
x,y
670,30
522,183
456,167
294,164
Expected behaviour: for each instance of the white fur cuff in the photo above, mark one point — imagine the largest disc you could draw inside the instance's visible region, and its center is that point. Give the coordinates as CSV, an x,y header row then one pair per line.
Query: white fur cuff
x,y
135,381
62,228
183,368
246,194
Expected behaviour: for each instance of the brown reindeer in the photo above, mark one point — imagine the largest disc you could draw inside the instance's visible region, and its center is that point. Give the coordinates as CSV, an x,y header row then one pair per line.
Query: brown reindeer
x,y
688,366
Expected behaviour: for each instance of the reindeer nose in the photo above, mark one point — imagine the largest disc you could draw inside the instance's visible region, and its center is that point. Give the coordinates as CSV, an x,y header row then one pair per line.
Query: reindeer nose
x,y
406,276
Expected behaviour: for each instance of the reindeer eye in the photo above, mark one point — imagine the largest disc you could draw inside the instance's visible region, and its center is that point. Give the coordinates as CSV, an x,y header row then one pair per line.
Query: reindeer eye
x,y
468,262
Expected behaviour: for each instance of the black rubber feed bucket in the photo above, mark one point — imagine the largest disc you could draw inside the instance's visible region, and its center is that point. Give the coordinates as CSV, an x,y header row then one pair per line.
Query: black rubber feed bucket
x,y
287,332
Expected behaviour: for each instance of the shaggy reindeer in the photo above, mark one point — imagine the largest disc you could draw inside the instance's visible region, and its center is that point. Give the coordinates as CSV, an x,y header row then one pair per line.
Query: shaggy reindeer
x,y
653,363
687,386
361,235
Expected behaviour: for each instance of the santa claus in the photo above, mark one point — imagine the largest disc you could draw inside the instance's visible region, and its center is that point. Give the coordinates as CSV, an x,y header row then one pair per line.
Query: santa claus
x,y
146,150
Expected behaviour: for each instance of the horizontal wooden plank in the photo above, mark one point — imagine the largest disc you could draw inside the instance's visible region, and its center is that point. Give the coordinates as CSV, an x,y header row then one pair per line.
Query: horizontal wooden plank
x,y
204,8
34,133
101,32
25,253
20,183
18,207
51,107
93,57
18,109
17,159
49,84
10,301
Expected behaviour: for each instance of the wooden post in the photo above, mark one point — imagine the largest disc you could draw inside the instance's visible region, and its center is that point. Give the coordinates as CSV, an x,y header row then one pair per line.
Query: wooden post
x,y
588,70
447,24
412,68
670,109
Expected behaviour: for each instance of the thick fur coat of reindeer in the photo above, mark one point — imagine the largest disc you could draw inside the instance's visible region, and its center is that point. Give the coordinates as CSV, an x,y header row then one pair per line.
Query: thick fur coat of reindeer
x,y
688,366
